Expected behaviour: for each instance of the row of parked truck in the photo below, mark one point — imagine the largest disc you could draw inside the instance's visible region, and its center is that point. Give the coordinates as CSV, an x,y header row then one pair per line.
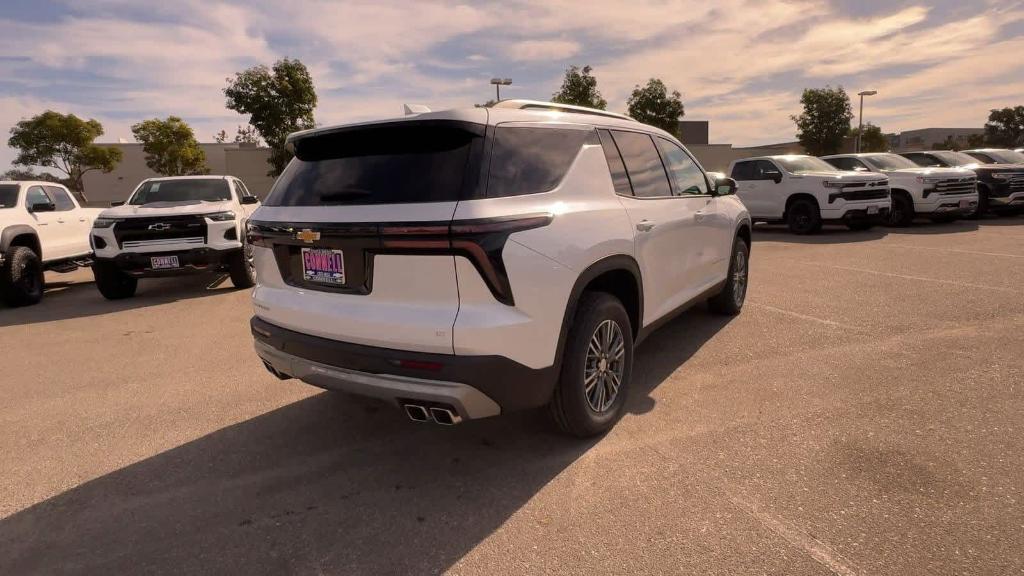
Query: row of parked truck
x,y
863,190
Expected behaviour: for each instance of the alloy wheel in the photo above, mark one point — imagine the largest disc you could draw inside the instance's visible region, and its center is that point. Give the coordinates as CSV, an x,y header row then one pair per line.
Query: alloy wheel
x,y
605,365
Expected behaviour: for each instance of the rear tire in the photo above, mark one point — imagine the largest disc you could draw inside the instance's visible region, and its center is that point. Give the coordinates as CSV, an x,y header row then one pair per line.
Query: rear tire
x,y
112,283
241,268
598,351
21,278
729,302
803,217
902,212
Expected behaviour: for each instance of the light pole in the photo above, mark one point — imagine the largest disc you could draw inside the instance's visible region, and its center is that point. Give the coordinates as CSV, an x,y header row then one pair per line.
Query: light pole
x,y
498,83
860,128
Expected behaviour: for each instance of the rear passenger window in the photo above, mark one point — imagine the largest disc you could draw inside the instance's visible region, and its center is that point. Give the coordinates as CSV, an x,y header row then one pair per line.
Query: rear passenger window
x,y
684,173
61,201
618,170
643,164
531,160
743,171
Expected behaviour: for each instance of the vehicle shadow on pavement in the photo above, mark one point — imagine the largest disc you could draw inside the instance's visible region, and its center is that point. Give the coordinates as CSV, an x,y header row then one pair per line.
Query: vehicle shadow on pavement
x,y
328,484
63,300
827,235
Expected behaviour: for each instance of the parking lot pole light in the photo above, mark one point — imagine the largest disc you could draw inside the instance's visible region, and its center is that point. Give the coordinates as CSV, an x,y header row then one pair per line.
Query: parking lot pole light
x,y
860,127
498,83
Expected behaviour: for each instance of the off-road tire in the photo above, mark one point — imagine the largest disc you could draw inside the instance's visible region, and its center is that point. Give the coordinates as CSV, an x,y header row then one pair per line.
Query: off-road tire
x,y
21,277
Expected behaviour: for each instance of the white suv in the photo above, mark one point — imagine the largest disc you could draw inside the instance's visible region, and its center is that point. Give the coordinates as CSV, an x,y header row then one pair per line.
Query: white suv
x,y
468,263
172,226
805,192
941,194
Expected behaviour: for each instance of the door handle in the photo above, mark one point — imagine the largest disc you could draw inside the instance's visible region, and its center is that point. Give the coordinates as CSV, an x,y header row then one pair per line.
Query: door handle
x,y
59,221
645,226
81,219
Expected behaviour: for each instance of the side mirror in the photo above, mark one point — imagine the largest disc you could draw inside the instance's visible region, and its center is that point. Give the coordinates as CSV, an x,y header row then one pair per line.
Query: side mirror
x,y
725,186
42,207
118,203
774,176
249,200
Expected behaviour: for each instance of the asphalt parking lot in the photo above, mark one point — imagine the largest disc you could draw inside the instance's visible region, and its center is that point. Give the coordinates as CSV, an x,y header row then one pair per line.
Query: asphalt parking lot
x,y
864,415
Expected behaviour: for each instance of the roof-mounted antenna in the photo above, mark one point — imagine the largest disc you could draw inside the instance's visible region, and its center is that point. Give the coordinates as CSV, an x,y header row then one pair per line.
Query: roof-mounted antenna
x,y
415,109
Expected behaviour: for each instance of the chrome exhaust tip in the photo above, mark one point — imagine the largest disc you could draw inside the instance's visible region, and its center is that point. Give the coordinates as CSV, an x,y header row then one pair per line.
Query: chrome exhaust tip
x,y
444,416
416,413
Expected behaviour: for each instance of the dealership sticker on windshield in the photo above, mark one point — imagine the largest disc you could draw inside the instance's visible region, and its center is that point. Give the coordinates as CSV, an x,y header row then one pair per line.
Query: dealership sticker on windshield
x,y
323,266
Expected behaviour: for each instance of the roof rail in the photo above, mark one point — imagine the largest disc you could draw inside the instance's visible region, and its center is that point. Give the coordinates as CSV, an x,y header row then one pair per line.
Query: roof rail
x,y
556,107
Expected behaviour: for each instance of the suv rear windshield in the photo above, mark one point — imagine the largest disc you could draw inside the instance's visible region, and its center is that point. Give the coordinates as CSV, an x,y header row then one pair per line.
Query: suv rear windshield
x,y
8,195
186,190
396,163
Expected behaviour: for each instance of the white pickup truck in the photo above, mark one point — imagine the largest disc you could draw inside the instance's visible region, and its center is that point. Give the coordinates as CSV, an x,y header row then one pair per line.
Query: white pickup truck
x,y
940,194
42,227
173,226
805,192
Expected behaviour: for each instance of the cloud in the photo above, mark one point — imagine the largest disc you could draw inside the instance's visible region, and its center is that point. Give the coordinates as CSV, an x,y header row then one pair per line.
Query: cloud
x,y
543,50
739,63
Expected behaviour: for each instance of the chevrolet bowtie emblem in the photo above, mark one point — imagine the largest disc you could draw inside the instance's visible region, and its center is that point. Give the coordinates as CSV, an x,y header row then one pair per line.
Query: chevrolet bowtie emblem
x,y
307,235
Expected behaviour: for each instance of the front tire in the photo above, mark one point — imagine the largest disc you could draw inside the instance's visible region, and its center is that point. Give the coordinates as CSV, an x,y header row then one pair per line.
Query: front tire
x,y
803,217
596,367
241,267
21,278
902,212
112,283
729,302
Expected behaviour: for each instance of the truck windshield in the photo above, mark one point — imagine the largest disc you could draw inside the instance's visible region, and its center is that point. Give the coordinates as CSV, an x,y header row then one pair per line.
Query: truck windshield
x,y
188,190
954,158
8,195
798,164
889,162
1006,156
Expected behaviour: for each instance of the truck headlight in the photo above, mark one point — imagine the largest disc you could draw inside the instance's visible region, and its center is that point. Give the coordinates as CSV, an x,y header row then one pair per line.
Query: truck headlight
x,y
221,216
929,179
104,222
831,184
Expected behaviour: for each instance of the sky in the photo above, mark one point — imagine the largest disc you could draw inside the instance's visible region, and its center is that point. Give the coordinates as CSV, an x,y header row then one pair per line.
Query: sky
x,y
741,64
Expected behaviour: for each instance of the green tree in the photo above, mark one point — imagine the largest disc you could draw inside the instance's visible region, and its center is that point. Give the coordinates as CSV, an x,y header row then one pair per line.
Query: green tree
x,y
171,147
825,120
278,100
579,88
245,135
63,142
29,174
652,104
872,140
487,104
1005,127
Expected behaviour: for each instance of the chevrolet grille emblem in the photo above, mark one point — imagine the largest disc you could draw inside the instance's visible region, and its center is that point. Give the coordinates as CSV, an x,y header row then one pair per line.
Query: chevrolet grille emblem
x,y
307,235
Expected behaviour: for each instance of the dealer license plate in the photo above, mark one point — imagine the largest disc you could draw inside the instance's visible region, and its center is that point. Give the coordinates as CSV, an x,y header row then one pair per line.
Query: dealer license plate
x,y
163,262
323,266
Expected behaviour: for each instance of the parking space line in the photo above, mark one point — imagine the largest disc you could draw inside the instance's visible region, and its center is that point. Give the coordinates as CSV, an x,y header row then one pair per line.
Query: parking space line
x,y
976,252
908,277
824,321
821,552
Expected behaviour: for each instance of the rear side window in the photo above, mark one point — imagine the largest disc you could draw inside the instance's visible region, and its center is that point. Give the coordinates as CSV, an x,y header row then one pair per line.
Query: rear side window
x,y
61,201
531,160
646,171
8,195
398,163
618,170
743,171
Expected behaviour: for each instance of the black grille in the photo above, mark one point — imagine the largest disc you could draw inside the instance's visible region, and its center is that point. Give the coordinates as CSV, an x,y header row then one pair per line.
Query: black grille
x,y
159,228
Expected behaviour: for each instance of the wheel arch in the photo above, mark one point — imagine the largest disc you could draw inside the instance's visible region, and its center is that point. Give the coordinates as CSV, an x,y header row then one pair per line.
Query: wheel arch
x,y
801,196
617,275
21,235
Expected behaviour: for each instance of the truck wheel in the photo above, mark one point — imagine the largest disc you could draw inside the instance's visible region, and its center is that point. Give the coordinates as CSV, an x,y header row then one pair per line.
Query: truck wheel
x,y
902,212
21,279
729,302
591,391
241,268
112,282
803,217
982,204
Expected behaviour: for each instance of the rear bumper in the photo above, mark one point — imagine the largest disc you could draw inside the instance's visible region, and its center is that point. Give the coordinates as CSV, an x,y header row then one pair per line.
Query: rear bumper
x,y
193,261
475,386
